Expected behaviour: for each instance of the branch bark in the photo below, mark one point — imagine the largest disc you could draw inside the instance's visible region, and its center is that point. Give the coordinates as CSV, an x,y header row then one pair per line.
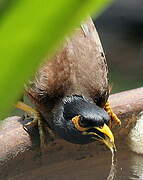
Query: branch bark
x,y
19,150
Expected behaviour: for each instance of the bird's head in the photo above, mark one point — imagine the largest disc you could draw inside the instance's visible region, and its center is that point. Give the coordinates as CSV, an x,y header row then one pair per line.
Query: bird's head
x,y
80,121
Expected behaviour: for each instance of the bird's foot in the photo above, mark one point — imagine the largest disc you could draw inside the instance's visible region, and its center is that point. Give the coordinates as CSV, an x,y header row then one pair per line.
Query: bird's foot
x,y
37,120
112,115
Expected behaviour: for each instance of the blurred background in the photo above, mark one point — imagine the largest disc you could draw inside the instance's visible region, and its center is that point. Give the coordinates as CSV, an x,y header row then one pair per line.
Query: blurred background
x,y
120,28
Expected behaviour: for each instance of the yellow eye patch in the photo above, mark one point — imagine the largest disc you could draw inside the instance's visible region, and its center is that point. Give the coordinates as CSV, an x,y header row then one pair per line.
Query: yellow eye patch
x,y
75,121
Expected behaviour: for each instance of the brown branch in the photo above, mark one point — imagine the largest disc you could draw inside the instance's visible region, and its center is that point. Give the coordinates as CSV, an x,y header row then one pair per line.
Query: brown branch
x,y
19,150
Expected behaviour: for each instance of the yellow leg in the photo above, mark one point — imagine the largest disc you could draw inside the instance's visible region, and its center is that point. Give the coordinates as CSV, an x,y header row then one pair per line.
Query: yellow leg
x,y
36,120
113,116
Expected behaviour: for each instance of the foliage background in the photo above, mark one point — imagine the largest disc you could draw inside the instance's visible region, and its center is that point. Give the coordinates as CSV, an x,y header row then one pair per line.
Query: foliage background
x,y
29,31
120,28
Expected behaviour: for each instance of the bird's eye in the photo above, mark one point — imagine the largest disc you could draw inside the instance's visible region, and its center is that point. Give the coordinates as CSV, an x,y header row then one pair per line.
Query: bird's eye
x,y
78,121
81,122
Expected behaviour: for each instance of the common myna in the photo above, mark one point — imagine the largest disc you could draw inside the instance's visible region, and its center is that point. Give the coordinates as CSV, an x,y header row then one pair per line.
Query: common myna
x,y
71,91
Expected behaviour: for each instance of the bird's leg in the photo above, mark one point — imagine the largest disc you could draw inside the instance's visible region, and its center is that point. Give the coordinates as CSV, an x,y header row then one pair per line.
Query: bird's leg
x,y
37,120
110,112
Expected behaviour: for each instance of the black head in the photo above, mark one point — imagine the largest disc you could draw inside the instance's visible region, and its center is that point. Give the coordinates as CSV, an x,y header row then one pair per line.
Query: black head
x,y
81,121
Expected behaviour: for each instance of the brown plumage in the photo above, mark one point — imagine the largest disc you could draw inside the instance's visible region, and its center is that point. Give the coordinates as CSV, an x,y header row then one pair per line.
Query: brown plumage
x,y
70,91
79,67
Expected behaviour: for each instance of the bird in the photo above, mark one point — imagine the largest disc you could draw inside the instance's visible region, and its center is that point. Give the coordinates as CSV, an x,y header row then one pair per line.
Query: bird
x,y
70,91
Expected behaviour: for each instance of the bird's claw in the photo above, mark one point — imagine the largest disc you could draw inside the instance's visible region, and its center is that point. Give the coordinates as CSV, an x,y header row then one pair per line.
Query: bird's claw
x,y
112,115
32,123
32,113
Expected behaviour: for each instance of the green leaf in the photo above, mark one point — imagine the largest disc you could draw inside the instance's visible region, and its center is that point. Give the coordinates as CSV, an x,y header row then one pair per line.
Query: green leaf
x,y
29,31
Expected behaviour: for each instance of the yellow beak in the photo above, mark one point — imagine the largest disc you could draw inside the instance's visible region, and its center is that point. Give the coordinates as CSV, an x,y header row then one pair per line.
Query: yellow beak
x,y
109,138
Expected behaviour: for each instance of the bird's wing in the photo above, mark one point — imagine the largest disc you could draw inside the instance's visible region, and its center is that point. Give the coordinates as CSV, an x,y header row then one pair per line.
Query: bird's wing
x,y
79,67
